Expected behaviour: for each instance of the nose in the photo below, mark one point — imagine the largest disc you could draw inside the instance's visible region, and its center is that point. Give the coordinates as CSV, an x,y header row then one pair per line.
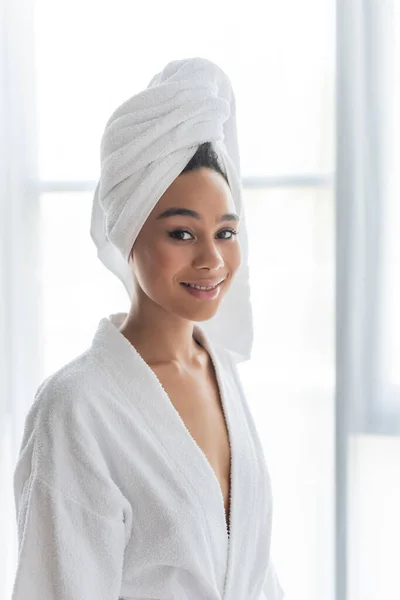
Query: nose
x,y
208,257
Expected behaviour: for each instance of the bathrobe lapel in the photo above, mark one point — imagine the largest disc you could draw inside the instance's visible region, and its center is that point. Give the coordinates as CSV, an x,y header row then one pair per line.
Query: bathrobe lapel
x,y
250,523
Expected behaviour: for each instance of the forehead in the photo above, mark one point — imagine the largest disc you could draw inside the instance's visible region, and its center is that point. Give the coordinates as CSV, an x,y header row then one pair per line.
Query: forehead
x,y
203,190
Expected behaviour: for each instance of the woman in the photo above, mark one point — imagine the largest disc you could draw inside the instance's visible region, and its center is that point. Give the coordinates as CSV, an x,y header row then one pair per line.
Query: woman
x,y
141,474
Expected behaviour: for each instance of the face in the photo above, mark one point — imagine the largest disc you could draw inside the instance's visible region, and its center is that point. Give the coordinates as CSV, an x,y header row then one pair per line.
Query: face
x,y
189,238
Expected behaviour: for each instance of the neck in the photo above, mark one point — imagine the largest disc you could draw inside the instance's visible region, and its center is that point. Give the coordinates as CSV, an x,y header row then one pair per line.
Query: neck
x,y
161,337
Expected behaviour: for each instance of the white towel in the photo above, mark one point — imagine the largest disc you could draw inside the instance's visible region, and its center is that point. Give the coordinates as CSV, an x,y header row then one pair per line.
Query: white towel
x,y
146,144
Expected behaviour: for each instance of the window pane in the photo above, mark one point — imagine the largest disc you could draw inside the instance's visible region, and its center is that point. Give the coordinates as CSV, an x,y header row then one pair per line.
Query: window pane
x,y
291,241
91,56
374,517
77,290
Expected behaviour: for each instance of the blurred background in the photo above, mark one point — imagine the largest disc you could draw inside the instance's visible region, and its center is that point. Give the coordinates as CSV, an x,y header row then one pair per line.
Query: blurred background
x,y
317,84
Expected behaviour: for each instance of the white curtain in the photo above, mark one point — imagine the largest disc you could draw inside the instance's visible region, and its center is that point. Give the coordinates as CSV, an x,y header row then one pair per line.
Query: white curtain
x,y
368,300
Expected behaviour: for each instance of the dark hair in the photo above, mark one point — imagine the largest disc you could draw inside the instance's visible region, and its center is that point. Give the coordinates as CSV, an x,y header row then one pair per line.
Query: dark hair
x,y
205,157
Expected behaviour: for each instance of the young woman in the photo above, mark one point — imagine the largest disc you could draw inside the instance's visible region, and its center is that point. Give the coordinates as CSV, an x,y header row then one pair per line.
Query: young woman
x,y
141,474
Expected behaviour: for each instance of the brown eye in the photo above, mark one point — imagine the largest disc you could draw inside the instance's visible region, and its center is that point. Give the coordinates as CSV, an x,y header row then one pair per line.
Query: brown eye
x,y
231,231
177,233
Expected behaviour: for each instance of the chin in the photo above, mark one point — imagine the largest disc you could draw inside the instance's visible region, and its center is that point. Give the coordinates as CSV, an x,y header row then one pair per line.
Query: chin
x,y
204,317
201,312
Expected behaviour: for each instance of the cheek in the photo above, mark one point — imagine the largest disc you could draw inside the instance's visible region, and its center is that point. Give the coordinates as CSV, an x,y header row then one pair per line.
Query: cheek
x,y
233,257
162,260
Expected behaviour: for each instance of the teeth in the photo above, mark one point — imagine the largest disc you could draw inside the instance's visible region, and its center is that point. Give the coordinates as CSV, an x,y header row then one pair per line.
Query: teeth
x,y
200,287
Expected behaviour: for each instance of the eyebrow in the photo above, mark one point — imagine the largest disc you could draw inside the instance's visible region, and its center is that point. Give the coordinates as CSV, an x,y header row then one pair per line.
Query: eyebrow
x,y
186,212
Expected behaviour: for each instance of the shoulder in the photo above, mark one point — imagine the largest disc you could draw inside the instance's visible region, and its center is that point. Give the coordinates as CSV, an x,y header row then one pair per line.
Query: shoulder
x,y
63,443
61,412
64,391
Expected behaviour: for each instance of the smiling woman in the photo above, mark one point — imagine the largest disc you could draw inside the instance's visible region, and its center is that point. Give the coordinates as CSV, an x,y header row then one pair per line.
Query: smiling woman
x,y
143,449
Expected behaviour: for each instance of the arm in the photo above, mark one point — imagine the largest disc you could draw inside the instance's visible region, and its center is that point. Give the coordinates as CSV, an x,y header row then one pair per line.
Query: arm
x,y
66,551
71,534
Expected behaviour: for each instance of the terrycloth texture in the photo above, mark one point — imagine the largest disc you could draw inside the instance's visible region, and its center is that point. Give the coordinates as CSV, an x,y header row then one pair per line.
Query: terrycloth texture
x,y
115,499
146,144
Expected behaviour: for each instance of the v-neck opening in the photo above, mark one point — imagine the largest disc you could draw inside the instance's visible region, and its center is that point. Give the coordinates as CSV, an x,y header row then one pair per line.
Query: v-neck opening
x,y
223,406
207,347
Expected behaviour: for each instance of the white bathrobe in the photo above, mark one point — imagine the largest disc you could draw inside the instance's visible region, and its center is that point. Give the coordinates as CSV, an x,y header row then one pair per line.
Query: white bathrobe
x,y
115,499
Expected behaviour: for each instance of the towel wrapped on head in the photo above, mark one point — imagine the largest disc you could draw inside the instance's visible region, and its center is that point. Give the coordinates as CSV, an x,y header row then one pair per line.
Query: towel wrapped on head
x,y
146,144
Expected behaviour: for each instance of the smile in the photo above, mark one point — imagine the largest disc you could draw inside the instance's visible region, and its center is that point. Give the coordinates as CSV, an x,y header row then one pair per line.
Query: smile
x,y
203,292
202,287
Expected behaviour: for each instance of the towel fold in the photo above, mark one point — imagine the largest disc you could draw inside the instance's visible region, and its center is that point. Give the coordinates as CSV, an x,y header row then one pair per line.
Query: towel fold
x,y
146,144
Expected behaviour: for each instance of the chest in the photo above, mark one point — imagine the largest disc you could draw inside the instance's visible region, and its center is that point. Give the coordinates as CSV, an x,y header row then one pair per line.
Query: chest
x,y
196,398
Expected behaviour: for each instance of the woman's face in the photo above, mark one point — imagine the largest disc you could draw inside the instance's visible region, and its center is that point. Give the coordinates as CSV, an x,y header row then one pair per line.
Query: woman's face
x,y
196,247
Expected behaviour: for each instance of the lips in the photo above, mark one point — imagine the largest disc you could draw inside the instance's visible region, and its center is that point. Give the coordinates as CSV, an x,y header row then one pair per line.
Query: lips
x,y
204,282
204,292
